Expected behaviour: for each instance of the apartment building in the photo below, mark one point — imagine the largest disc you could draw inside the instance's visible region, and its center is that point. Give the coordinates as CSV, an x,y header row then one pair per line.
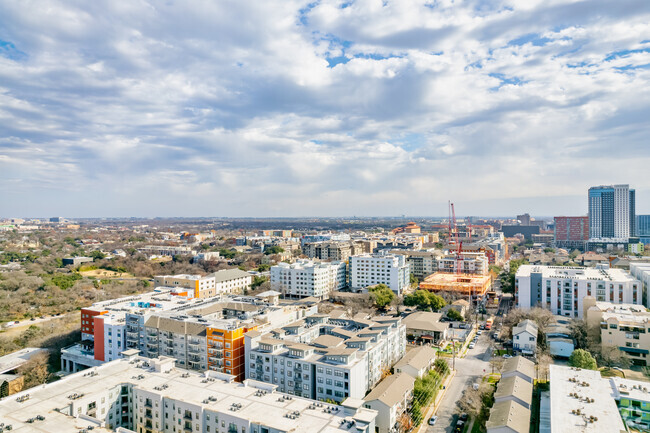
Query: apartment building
x,y
380,268
231,281
612,215
199,333
624,326
561,289
332,251
641,271
326,357
167,250
474,263
305,278
142,395
571,232
421,263
633,400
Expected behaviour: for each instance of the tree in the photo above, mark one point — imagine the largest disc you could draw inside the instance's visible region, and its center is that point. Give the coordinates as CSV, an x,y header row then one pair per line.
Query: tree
x,y
263,268
381,295
97,255
424,300
580,358
508,277
497,362
413,280
35,370
453,314
275,249
612,356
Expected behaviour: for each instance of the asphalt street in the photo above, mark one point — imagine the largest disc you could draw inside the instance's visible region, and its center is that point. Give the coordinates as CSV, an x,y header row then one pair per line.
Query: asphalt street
x,y
468,371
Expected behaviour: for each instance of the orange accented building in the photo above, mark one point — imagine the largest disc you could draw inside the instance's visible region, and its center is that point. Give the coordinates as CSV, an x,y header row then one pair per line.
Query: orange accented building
x,y
226,350
463,285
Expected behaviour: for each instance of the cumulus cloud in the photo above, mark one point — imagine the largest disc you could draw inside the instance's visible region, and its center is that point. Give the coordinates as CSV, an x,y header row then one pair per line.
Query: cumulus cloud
x,y
366,107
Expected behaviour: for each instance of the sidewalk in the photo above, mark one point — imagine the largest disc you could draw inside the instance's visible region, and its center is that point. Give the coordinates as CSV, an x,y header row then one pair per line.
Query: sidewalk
x,y
433,407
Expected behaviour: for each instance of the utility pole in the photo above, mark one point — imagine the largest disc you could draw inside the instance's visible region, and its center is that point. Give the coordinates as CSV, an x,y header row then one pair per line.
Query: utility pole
x,y
453,352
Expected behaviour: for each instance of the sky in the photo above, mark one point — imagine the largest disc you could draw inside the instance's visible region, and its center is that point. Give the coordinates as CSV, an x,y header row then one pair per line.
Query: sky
x,y
321,108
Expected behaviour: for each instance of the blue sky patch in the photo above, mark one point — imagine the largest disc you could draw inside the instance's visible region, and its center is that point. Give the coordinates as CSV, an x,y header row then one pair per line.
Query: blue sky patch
x,y
9,50
516,81
532,38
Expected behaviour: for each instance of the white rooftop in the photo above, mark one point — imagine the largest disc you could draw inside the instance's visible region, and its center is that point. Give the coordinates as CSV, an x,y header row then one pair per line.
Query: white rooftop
x,y
566,382
632,389
216,395
573,272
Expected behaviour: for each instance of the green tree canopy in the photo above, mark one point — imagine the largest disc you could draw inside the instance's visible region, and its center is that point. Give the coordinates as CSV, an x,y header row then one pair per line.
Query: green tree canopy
x,y
424,300
381,295
454,315
582,359
508,278
275,249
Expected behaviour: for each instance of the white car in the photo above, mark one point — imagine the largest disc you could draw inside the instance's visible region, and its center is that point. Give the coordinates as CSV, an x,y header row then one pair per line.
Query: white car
x,y
472,345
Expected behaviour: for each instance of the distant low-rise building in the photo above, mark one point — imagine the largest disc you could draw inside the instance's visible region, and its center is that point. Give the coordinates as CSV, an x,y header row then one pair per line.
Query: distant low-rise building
x,y
76,261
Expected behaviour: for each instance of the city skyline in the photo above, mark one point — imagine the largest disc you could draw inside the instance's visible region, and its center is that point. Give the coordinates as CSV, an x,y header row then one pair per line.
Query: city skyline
x,y
321,109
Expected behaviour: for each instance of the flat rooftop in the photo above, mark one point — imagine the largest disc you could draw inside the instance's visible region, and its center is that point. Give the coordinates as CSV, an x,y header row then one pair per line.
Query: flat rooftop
x,y
573,272
566,383
216,395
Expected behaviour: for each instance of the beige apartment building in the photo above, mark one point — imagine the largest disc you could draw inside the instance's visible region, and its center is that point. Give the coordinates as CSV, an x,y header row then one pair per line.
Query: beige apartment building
x,y
625,326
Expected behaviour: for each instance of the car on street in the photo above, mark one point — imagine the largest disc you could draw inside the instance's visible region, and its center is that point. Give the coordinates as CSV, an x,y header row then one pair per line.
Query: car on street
x,y
472,345
479,332
432,420
506,356
463,417
460,425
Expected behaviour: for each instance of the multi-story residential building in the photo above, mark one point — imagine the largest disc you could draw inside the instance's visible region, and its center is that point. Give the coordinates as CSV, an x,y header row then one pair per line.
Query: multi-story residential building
x,y
475,263
641,271
580,400
421,263
571,232
227,281
611,214
633,400
623,326
142,395
200,334
380,268
328,251
326,357
561,289
305,278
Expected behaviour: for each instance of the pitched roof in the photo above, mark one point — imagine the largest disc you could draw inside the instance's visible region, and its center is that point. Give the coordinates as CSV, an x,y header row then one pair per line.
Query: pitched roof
x,y
526,326
509,414
392,389
520,364
425,321
417,358
327,341
229,274
515,386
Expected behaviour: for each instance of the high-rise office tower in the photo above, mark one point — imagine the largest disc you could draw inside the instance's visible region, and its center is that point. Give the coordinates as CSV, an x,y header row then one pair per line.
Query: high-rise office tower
x,y
611,213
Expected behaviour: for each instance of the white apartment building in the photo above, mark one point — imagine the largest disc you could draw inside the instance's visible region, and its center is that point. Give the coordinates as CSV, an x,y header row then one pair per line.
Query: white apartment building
x,y
326,358
474,263
371,269
561,289
641,271
226,281
143,395
305,278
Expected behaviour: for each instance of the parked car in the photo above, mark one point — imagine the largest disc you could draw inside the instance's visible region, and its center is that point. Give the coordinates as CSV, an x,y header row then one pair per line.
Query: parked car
x,y
460,425
479,332
506,356
463,417
432,420
472,345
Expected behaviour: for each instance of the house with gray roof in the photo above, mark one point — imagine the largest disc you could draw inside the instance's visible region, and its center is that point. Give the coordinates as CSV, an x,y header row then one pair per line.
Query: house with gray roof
x,y
519,366
417,362
508,417
390,398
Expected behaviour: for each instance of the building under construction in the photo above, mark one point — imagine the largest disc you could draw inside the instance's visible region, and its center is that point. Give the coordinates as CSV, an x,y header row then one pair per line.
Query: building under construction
x,y
460,284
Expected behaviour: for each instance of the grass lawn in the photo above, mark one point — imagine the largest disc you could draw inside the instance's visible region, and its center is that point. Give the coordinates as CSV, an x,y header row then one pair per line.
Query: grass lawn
x,y
610,372
500,352
492,378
